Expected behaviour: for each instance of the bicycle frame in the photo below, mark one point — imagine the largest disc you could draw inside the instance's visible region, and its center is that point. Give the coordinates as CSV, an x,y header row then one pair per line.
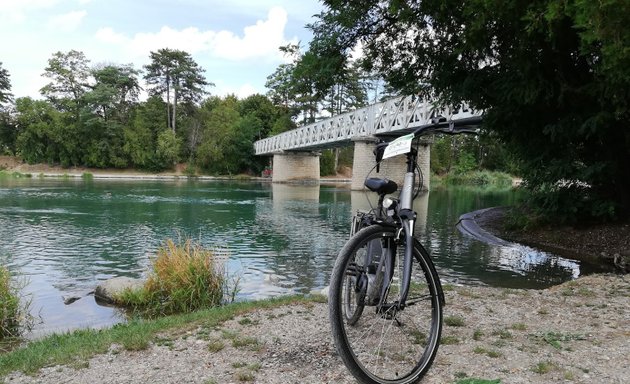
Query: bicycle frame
x,y
407,216
408,219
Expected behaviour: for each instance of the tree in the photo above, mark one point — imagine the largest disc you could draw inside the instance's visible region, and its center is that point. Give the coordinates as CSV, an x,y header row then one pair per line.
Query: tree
x,y
7,126
280,88
115,91
221,118
141,134
175,72
69,73
40,138
552,78
5,85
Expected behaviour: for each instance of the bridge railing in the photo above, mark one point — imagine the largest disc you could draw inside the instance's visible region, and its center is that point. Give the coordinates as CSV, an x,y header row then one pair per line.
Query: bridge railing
x,y
388,116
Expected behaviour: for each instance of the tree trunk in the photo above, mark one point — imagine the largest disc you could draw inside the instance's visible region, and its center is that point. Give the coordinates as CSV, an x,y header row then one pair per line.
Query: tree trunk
x,y
168,100
174,106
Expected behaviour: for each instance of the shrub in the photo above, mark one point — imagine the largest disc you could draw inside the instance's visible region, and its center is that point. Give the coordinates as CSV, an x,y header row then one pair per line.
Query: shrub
x,y
14,314
480,178
183,278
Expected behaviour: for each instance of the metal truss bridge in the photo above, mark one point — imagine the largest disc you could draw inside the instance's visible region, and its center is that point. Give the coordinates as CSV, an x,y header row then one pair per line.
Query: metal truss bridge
x,y
393,117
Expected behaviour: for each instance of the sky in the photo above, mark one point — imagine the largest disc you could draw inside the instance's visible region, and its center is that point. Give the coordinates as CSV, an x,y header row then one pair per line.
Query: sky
x,y
235,41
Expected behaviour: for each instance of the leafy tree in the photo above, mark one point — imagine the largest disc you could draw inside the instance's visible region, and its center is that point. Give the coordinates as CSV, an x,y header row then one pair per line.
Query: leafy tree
x,y
552,78
280,86
141,135
221,118
115,91
5,85
167,150
261,108
7,126
174,72
69,73
8,130
40,123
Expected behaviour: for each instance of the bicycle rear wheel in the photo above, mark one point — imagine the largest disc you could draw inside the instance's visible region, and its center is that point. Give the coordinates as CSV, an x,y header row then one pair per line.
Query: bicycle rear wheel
x,y
386,346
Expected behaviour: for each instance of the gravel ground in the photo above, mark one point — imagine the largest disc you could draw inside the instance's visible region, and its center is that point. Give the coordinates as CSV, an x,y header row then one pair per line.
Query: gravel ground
x,y
577,332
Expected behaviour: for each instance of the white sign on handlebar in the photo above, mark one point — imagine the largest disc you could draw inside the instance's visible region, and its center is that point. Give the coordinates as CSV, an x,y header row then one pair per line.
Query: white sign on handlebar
x,y
399,146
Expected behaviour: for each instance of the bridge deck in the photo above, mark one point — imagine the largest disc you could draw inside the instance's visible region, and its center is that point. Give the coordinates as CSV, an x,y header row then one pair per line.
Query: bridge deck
x,y
394,117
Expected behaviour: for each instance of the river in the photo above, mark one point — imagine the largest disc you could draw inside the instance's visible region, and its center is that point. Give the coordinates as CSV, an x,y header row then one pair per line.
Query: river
x,y
61,237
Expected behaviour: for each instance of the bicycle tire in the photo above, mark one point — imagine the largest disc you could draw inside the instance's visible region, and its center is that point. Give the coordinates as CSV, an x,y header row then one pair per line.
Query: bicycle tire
x,y
393,348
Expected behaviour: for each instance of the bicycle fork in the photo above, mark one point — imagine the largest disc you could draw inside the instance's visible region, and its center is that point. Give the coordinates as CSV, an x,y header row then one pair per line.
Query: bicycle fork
x,y
405,234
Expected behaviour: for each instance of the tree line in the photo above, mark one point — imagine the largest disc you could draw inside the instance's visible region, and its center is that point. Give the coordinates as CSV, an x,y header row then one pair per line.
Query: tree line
x,y
91,115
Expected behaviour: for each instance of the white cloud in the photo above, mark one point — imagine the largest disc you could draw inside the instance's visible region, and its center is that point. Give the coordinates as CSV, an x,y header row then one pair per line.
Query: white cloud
x,y
15,10
241,91
67,22
258,41
246,90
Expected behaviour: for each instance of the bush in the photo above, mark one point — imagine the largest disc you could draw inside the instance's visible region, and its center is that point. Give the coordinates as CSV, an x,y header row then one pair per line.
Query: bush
x,y
184,278
14,315
480,178
327,163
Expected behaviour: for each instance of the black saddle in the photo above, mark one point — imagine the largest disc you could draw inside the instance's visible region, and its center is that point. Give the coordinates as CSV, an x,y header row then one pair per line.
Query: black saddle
x,y
381,186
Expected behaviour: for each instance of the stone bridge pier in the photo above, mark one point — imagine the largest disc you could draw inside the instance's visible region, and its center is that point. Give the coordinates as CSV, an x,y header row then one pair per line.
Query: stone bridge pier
x,y
290,167
393,168
299,167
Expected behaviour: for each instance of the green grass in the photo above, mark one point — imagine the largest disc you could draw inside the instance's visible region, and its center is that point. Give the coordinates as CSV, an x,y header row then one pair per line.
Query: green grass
x,y
555,339
184,277
454,321
472,380
13,175
449,340
14,310
487,352
478,335
78,346
544,367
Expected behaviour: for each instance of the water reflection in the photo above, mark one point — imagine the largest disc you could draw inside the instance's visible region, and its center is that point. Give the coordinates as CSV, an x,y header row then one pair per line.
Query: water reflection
x,y
66,236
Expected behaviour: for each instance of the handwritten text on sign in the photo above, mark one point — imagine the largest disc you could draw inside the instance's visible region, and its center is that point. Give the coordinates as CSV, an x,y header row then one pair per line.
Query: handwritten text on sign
x,y
399,146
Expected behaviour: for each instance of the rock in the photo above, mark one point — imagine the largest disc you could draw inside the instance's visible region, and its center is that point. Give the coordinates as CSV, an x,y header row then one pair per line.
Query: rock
x,y
107,290
622,262
67,300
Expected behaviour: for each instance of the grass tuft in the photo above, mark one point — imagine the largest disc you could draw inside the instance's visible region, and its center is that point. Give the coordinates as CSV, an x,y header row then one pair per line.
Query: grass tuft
x,y
184,277
14,313
454,321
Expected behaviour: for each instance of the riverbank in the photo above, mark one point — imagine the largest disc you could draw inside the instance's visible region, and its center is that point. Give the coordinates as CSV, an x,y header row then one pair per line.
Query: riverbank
x,y
576,332
596,243
11,164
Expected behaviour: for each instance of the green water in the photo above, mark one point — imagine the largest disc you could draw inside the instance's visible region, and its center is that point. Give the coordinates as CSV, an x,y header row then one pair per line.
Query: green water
x,y
65,236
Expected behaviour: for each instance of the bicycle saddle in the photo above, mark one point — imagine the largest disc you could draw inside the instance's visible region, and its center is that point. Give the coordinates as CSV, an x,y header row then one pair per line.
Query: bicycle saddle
x,y
381,186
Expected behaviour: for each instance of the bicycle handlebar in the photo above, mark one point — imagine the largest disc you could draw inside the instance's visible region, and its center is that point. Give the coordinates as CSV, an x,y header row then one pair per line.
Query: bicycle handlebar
x,y
462,126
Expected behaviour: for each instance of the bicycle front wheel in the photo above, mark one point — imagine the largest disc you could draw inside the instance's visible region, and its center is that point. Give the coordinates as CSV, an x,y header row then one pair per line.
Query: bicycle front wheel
x,y
385,344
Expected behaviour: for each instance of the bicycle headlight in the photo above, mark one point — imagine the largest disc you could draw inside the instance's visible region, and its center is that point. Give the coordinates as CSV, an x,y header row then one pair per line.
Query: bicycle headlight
x,y
387,202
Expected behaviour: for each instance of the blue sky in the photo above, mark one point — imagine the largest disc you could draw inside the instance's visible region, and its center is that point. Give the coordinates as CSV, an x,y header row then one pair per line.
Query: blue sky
x,y
235,41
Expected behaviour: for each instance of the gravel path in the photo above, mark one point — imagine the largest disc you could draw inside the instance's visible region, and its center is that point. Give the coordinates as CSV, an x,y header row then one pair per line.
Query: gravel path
x,y
577,332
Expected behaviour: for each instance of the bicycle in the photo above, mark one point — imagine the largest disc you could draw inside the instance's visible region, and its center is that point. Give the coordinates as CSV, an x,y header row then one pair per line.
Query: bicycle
x,y
385,297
